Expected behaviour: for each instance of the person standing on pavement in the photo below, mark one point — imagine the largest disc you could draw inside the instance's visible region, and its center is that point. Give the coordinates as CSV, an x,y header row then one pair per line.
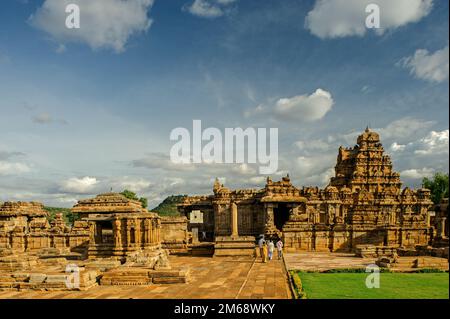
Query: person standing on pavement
x,y
261,245
271,248
280,248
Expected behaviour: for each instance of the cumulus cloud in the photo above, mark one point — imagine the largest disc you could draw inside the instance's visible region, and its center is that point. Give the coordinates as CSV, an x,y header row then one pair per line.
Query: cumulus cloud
x,y
342,18
404,129
81,185
135,185
8,168
305,108
417,174
433,143
103,23
208,8
432,67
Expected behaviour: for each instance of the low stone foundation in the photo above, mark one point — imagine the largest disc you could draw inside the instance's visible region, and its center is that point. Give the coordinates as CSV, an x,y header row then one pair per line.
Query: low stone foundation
x,y
243,246
130,276
405,264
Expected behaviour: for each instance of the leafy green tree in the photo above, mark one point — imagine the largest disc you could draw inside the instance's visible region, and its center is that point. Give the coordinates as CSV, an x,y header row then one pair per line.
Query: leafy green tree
x,y
438,185
131,195
69,217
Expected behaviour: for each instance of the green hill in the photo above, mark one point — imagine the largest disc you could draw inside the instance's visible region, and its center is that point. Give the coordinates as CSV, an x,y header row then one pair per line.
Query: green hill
x,y
168,207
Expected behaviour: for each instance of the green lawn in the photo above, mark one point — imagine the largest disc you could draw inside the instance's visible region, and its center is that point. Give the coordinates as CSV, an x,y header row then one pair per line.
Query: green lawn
x,y
392,286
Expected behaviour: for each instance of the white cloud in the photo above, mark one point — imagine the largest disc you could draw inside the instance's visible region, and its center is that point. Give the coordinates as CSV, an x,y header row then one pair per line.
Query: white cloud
x,y
103,23
429,67
305,107
395,147
134,185
79,185
404,128
8,168
342,18
417,173
208,8
434,143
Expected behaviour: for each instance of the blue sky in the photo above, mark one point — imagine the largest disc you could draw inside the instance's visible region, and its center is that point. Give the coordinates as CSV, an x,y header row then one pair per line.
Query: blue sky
x,y
84,112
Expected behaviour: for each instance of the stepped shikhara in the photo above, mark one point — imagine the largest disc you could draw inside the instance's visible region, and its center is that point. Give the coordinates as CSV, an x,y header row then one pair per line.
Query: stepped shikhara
x,y
363,204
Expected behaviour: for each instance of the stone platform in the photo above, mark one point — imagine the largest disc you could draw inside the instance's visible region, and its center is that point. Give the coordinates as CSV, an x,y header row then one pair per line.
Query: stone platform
x,y
211,278
322,261
243,246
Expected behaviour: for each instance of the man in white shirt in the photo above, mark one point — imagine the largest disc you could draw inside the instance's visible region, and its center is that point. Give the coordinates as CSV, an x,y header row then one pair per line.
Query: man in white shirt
x,y
280,248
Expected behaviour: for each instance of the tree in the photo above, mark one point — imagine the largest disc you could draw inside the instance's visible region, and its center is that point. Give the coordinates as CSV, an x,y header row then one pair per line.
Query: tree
x,y
438,185
168,207
131,195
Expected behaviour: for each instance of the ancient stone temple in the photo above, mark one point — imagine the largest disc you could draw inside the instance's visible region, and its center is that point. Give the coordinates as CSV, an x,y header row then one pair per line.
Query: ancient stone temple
x,y
116,242
441,224
363,204
24,227
119,226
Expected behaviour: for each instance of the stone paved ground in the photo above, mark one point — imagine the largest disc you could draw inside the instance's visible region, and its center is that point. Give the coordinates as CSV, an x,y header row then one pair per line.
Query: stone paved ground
x,y
220,278
320,261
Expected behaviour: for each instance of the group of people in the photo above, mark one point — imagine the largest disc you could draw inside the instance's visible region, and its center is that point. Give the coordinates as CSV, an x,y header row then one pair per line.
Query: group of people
x,y
267,248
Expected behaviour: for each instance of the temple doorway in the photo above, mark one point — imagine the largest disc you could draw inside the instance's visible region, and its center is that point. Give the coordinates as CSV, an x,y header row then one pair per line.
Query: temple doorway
x,y
104,232
281,215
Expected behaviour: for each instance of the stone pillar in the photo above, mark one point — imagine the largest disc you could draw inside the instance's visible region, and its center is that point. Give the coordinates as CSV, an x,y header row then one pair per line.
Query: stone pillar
x,y
128,233
270,222
159,231
234,220
442,227
152,234
117,233
138,232
147,231
92,231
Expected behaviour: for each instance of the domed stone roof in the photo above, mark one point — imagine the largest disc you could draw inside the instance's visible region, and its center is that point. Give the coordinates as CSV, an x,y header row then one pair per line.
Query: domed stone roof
x,y
331,189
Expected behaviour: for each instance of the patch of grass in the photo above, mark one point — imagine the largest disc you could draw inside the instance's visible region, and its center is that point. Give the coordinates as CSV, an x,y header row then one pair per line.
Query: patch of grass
x,y
352,270
392,286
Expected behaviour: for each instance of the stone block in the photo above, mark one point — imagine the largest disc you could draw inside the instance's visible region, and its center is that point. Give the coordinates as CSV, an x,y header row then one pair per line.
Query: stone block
x,y
37,278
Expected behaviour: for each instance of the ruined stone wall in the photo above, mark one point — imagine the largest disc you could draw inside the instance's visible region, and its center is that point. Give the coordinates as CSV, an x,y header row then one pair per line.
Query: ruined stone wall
x,y
24,228
174,233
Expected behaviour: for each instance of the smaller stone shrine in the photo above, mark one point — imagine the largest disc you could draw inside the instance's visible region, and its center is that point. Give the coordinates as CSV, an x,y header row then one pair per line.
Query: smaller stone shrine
x,y
119,227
